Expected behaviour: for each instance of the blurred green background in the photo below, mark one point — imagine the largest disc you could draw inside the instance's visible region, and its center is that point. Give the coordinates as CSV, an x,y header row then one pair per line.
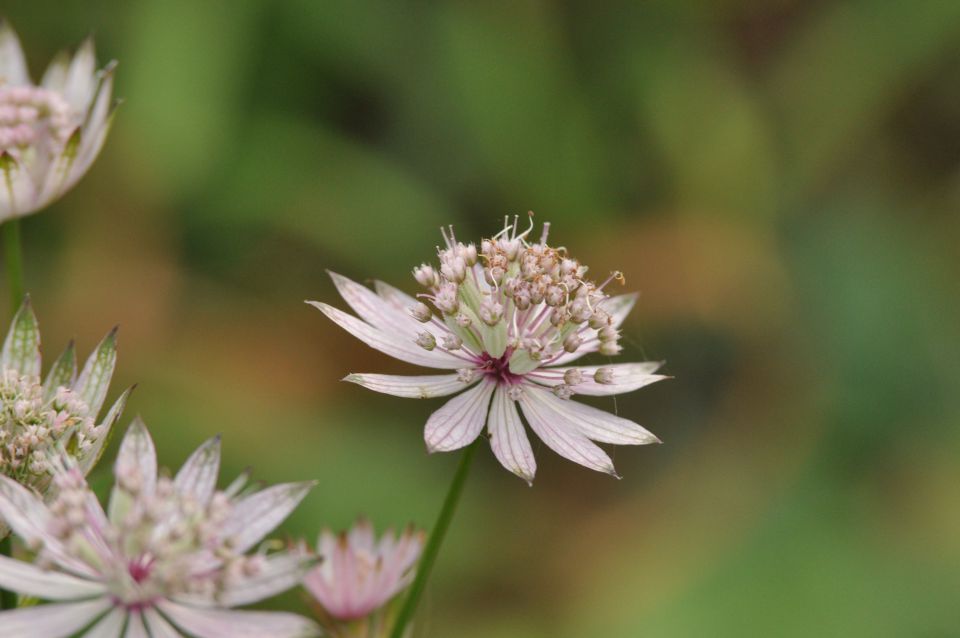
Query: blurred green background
x,y
780,180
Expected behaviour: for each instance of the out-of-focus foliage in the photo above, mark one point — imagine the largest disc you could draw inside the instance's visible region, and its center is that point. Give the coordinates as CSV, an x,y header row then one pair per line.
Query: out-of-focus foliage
x,y
780,180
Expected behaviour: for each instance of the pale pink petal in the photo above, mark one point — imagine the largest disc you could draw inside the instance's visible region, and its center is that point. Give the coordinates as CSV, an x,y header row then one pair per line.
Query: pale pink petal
x,y
81,77
137,450
224,623
508,440
374,309
93,454
258,514
460,420
158,625
56,74
627,377
26,514
594,424
135,626
198,476
409,387
30,580
394,296
279,573
566,442
110,626
397,346
56,620
13,66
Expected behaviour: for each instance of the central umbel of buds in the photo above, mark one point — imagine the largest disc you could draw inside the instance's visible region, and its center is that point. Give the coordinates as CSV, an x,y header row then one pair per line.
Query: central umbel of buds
x,y
512,306
158,539
31,425
33,119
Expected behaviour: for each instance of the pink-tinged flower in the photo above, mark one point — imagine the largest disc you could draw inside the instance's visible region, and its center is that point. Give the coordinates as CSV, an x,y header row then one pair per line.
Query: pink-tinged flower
x,y
50,133
507,319
168,558
359,574
37,418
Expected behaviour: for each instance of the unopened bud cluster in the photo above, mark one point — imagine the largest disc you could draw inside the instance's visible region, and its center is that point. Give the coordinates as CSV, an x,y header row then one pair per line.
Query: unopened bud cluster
x,y
512,296
155,538
33,118
31,427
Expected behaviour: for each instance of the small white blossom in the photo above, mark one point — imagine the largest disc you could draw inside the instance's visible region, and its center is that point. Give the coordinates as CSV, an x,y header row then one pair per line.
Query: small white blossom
x,y
520,313
50,133
169,556
360,574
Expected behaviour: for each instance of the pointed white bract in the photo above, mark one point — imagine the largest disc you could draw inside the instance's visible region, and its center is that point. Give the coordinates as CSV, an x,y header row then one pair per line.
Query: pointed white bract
x,y
167,558
50,133
359,574
509,317
38,419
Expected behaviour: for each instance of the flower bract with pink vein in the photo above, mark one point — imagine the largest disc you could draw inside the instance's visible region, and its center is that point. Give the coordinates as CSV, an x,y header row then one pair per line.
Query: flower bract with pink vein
x,y
506,320
169,557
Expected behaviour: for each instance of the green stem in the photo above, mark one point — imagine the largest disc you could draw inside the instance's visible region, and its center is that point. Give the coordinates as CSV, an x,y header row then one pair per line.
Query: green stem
x,y
8,599
433,543
14,261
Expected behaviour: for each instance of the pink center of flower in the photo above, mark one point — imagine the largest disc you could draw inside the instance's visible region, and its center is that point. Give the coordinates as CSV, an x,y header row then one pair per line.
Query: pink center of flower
x,y
140,569
499,368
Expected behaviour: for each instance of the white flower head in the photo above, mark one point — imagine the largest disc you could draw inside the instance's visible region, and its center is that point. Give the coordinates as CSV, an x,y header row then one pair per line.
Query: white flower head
x,y
360,574
519,312
38,418
50,133
169,557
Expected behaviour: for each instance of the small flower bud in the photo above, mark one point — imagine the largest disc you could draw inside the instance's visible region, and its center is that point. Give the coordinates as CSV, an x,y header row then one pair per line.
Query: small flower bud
x,y
603,376
572,342
555,296
563,391
454,270
452,342
466,375
494,276
446,299
491,312
573,376
463,320
515,393
608,333
421,312
426,276
609,348
426,341
579,311
599,319
469,254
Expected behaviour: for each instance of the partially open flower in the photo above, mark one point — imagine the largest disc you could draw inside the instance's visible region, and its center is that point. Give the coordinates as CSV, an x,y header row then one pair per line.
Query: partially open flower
x,y
359,574
518,313
37,418
169,557
50,133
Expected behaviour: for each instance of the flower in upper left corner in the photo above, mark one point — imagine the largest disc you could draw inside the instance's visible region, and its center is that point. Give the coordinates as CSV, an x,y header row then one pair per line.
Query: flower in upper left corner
x,y
50,133
38,418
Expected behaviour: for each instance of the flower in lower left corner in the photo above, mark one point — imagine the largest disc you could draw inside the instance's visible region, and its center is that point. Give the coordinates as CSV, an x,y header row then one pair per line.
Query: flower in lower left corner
x,y
169,557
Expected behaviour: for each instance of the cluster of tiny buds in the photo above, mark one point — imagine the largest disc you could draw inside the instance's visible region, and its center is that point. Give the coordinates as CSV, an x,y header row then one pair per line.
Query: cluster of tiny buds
x,y
160,534
519,277
28,114
30,427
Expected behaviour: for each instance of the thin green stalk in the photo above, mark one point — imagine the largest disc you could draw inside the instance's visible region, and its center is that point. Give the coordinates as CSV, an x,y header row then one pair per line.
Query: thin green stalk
x,y
8,599
434,542
14,260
